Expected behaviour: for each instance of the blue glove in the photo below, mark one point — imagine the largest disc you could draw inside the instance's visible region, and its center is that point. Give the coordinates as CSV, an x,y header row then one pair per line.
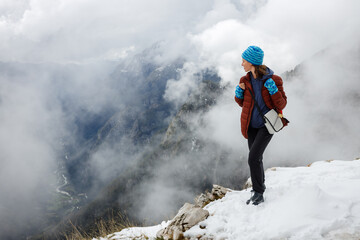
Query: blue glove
x,y
239,92
271,86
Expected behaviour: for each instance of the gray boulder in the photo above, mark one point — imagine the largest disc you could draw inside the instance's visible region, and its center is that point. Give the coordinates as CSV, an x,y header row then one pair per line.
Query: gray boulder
x,y
217,192
188,216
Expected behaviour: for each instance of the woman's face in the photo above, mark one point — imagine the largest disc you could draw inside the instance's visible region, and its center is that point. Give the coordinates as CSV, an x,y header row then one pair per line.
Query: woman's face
x,y
247,66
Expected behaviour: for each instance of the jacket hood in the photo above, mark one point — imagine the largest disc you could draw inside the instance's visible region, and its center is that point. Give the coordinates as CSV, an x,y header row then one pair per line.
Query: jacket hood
x,y
268,75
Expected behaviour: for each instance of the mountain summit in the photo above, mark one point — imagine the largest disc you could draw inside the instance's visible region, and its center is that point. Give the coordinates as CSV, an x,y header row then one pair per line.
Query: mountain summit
x,y
319,201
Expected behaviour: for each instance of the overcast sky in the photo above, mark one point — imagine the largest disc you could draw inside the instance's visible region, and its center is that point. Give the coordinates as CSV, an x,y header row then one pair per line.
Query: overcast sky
x,y
78,31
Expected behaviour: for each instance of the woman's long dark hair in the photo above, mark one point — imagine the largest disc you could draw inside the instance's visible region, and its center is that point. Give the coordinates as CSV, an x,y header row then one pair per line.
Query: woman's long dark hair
x,y
260,71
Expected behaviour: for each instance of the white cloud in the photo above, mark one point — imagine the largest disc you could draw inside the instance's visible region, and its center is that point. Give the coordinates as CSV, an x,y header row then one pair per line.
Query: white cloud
x,y
307,26
290,33
76,30
178,91
30,131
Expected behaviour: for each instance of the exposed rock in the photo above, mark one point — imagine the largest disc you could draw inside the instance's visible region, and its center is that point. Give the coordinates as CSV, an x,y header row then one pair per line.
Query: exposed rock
x,y
197,103
248,184
217,192
188,216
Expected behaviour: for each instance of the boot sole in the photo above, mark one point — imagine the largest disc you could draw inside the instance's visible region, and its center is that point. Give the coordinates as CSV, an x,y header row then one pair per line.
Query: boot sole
x,y
258,202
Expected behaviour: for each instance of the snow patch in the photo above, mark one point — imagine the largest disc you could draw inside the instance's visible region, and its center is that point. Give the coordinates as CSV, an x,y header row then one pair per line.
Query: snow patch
x,y
321,201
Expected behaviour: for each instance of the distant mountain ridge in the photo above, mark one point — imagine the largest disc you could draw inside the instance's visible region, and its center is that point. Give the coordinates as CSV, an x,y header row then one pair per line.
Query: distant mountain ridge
x,y
164,155
140,121
123,194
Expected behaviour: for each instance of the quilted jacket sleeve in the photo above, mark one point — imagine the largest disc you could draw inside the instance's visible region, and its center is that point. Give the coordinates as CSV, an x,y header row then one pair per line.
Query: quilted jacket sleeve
x,y
279,99
239,100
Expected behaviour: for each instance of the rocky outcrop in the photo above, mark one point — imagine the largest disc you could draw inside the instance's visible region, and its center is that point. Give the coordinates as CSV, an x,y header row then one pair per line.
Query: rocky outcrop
x,y
190,215
198,103
217,192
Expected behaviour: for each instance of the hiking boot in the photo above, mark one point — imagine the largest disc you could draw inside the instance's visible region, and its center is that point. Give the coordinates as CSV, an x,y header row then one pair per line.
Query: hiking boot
x,y
252,196
256,198
259,199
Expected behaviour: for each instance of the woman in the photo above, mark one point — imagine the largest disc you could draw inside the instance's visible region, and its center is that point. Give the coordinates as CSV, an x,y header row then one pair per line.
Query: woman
x,y
268,91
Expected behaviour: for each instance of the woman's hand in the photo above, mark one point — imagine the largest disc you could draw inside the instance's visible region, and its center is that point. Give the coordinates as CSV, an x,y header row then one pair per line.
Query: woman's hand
x,y
271,86
242,86
239,92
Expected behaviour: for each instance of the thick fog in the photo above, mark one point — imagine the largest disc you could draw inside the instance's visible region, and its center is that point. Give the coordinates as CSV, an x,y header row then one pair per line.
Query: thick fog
x,y
323,96
78,31
87,39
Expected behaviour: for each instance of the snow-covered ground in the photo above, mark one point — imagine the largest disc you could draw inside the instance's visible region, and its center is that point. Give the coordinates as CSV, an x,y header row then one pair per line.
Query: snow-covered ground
x,y
317,202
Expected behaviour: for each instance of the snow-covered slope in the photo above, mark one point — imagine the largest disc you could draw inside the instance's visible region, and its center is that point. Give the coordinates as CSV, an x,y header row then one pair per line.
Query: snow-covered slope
x,y
321,201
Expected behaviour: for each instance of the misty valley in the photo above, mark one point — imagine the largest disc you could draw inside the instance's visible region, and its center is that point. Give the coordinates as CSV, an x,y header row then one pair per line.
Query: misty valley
x,y
115,157
131,141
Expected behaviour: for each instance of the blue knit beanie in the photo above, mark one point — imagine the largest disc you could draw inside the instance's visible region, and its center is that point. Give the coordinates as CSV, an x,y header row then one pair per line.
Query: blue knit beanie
x,y
253,55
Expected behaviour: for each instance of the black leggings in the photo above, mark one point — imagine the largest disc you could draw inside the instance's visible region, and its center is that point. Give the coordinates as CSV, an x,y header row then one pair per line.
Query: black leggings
x,y
258,139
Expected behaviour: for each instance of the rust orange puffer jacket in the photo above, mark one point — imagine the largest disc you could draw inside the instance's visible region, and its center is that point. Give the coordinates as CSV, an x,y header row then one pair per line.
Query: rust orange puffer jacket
x,y
277,101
